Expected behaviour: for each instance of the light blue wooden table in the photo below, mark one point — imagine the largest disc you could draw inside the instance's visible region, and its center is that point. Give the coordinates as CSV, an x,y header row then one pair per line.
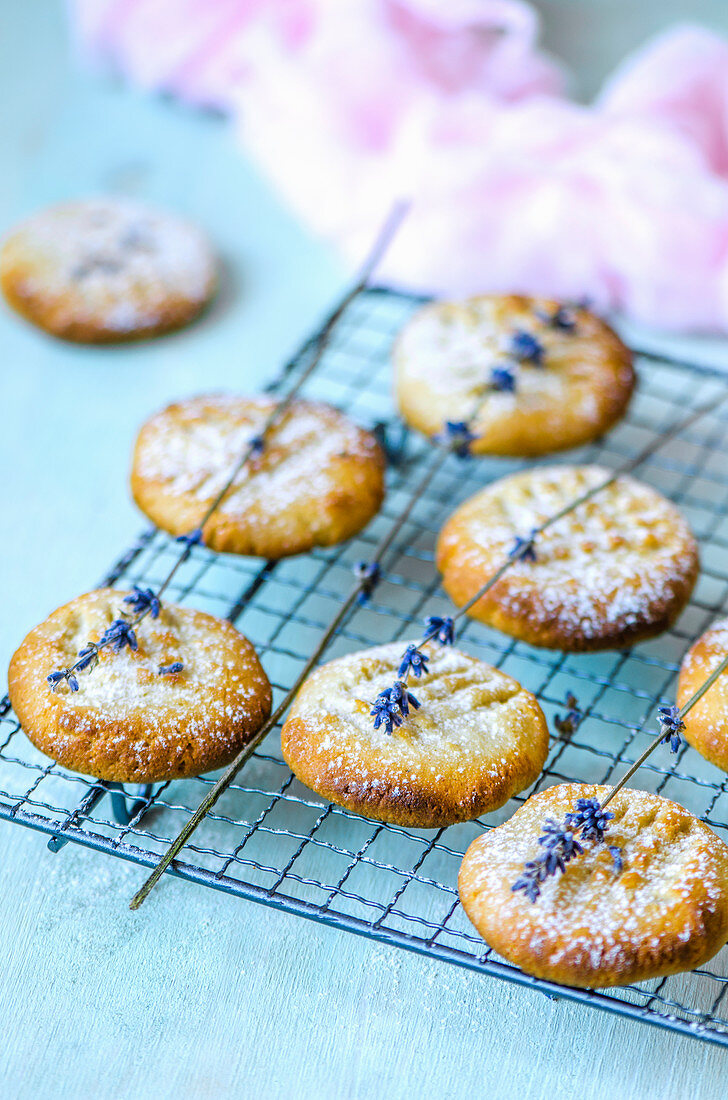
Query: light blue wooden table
x,y
200,995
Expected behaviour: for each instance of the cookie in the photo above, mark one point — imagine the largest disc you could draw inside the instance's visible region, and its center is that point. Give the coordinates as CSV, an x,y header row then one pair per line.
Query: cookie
x,y
130,722
593,925
706,724
318,481
476,739
108,269
543,377
616,570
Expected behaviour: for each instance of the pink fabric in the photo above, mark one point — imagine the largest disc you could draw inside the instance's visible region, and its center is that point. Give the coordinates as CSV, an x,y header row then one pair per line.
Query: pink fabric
x,y
347,105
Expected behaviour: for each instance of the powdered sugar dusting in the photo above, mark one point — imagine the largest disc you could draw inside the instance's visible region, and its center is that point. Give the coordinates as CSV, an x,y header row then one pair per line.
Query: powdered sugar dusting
x,y
317,467
475,725
449,349
589,918
614,561
220,692
112,261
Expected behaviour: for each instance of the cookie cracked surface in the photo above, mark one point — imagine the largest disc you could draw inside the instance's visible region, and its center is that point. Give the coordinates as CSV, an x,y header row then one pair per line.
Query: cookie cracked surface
x,y
107,269
128,723
667,910
618,569
444,356
318,481
477,738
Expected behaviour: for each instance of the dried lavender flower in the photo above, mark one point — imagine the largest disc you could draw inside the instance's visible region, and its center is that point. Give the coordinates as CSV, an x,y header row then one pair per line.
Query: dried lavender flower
x,y
569,724
617,858
370,573
88,657
589,818
440,628
503,380
526,348
192,538
119,635
143,600
523,549
413,661
62,675
458,436
391,706
671,725
165,670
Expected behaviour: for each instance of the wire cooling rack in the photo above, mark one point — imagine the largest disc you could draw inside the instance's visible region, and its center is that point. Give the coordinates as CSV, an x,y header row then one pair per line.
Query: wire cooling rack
x,y
271,840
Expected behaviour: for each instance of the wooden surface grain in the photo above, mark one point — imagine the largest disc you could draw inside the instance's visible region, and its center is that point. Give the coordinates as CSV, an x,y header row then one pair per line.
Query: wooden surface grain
x,y
201,995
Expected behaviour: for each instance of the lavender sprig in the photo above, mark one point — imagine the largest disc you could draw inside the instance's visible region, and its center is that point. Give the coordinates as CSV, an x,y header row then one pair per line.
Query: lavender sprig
x,y
560,845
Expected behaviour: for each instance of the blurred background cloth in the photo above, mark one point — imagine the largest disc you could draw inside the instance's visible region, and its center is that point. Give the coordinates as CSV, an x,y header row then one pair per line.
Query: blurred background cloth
x,y
453,103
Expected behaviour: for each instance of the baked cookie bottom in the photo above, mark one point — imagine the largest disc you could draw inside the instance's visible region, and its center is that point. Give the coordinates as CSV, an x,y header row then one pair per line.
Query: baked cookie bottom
x,y
665,912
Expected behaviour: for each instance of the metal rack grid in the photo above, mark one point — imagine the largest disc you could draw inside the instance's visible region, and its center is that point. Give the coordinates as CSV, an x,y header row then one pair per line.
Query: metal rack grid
x,y
271,840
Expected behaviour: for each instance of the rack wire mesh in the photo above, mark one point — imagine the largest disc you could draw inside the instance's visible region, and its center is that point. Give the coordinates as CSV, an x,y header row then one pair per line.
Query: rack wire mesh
x,y
271,840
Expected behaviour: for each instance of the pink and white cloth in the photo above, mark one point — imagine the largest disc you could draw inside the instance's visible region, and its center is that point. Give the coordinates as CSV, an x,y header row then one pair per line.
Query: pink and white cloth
x,y
348,104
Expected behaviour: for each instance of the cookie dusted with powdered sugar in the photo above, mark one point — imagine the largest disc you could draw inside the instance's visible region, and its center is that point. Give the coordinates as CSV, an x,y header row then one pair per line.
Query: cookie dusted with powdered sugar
x,y
317,481
544,377
706,724
477,738
108,269
138,717
616,570
661,909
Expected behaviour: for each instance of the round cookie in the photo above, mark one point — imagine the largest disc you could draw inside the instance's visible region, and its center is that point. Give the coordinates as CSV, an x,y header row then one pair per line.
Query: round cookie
x,y
706,724
107,269
666,911
477,738
128,722
319,480
573,375
616,570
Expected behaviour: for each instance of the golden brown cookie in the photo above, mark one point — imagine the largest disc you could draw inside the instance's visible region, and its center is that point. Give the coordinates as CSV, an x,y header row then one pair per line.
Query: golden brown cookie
x,y
616,570
477,738
107,269
665,911
319,480
572,374
706,724
129,722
